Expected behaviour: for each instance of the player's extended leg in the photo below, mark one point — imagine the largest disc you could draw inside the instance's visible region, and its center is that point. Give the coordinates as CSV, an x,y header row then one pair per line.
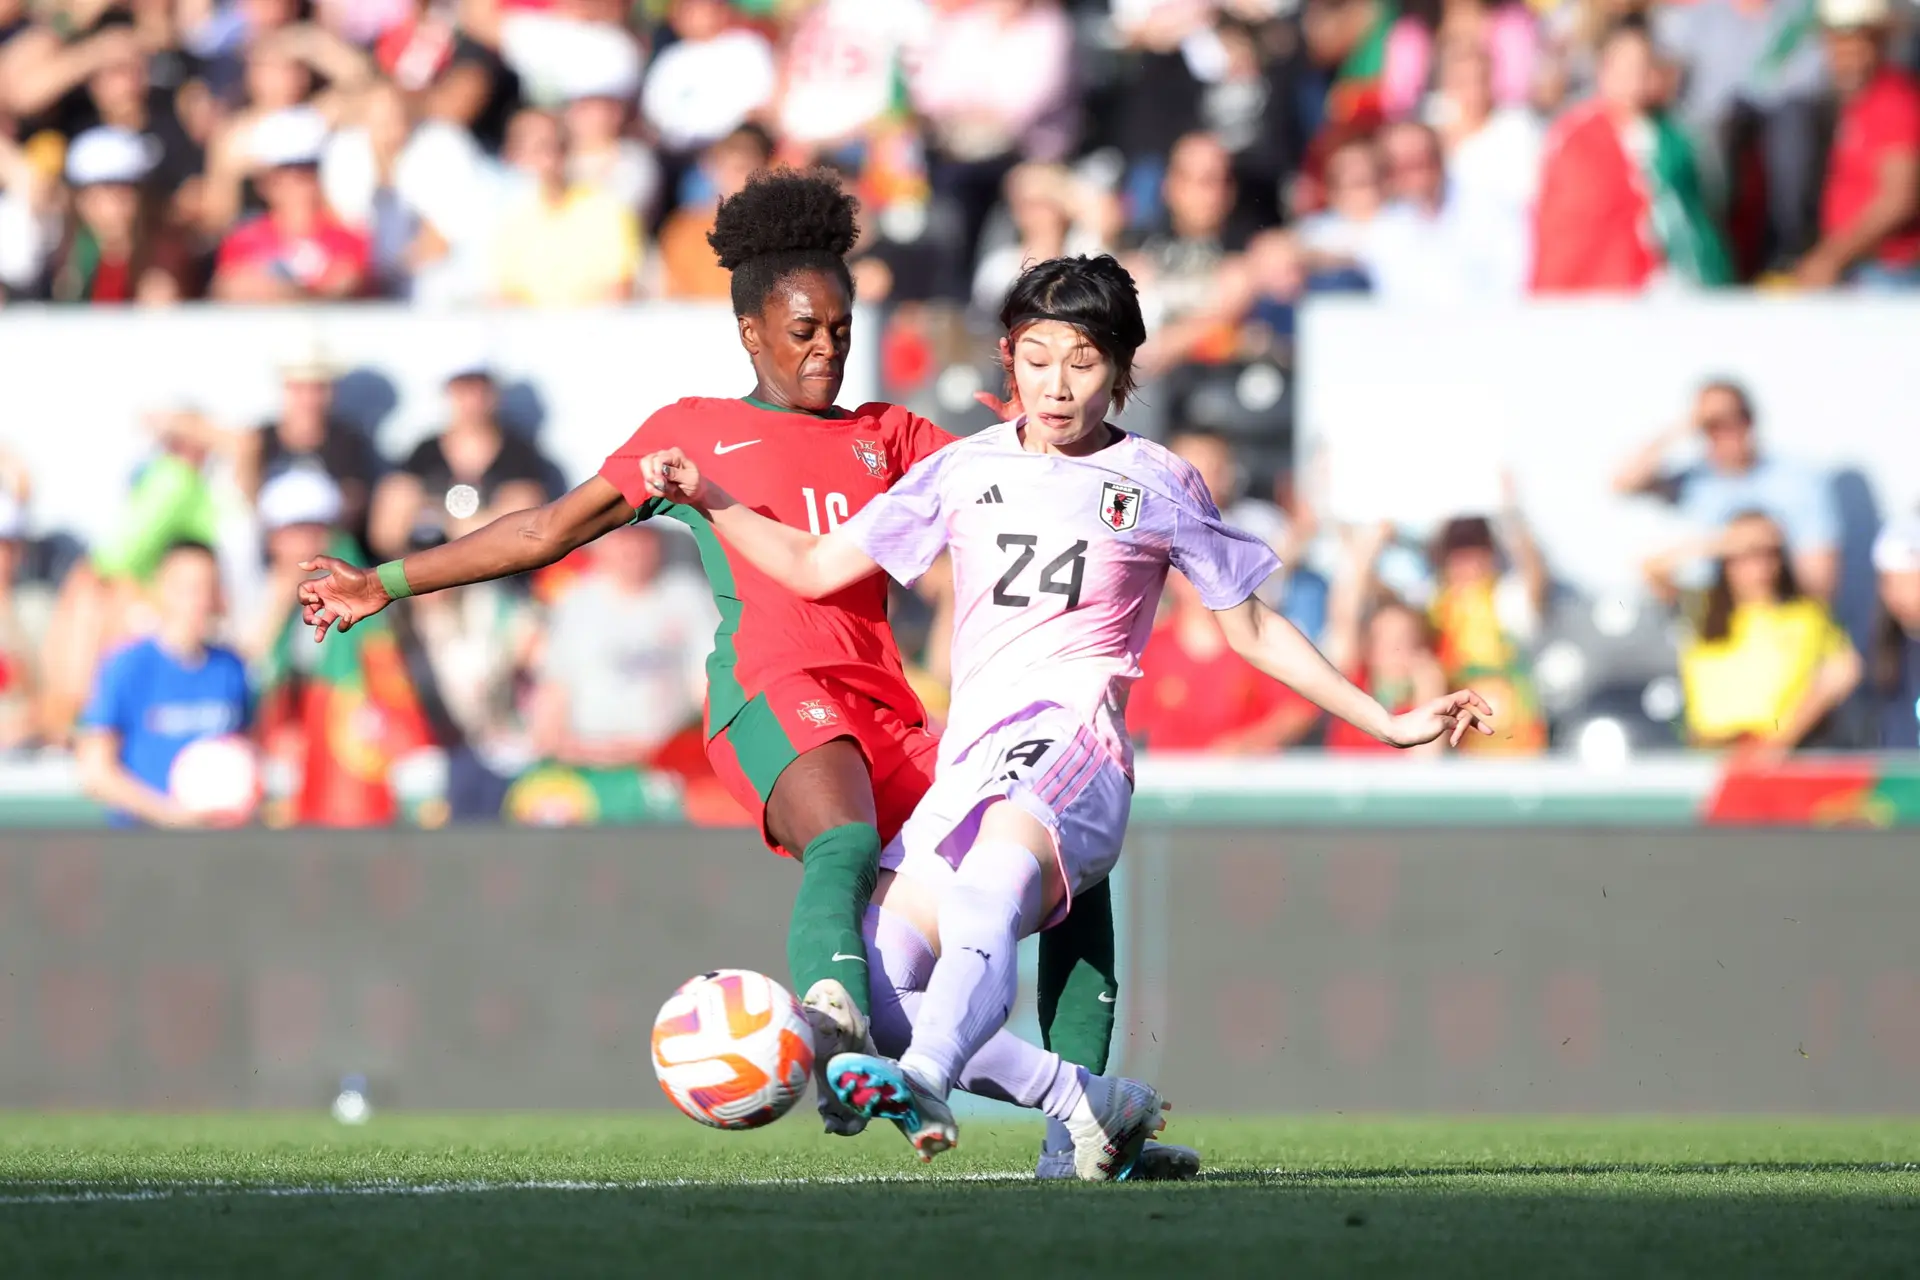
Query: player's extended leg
x,y
1078,987
1107,1118
822,806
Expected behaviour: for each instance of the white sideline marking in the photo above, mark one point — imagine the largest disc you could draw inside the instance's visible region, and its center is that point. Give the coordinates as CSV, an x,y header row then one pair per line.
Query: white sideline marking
x,y
82,1192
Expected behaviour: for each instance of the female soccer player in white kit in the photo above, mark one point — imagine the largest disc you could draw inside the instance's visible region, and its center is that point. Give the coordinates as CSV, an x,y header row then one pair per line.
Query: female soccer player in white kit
x,y
1061,528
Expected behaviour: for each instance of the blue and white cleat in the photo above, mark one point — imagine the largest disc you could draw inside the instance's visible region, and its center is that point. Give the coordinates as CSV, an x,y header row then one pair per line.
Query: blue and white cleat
x,y
1111,1126
880,1089
1158,1162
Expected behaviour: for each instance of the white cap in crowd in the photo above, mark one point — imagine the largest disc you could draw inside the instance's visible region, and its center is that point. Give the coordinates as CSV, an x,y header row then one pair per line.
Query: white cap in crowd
x,y
13,518
1846,14
109,154
299,495
293,136
605,64
471,362
1897,549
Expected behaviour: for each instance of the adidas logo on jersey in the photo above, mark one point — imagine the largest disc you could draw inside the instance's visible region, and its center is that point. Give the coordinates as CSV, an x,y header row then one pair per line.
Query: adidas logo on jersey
x,y
991,495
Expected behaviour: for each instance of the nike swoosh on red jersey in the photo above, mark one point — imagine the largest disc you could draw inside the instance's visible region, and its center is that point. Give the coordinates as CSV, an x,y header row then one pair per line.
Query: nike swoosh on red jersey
x,y
721,449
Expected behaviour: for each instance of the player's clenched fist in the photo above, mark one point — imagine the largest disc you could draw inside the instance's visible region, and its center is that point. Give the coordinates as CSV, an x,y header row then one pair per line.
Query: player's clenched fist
x,y
670,474
341,596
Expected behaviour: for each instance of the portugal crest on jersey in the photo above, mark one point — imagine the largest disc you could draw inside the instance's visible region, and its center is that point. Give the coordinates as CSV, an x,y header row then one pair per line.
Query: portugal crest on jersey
x,y
871,456
817,712
1119,506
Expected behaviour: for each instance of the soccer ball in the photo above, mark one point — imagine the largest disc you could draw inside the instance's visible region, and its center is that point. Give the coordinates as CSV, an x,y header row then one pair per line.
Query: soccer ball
x,y
732,1049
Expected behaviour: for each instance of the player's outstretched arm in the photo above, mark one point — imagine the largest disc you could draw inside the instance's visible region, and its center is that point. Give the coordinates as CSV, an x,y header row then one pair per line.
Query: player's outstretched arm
x,y
810,565
519,541
1276,647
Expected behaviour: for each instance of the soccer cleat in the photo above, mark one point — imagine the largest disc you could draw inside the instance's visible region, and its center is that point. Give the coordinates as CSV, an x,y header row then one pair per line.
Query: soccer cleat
x,y
838,1027
1158,1162
1110,1128
879,1088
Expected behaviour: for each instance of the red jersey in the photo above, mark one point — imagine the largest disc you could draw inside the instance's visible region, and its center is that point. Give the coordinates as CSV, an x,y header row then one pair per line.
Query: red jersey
x,y
1881,122
307,261
811,473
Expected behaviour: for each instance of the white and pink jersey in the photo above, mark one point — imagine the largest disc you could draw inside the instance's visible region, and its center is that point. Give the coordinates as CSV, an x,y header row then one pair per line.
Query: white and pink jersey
x,y
1058,565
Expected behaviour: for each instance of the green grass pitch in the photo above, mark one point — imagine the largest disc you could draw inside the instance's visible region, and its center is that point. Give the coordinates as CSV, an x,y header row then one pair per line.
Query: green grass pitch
x,y
483,1196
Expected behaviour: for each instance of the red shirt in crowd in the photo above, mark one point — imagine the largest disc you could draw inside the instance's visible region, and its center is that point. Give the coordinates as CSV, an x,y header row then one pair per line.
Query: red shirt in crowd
x,y
1188,703
306,261
1881,121
1589,231
1342,736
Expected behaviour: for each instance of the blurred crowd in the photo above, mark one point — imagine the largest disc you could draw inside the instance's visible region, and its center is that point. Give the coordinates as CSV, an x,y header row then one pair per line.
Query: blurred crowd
x,y
1239,155
1243,152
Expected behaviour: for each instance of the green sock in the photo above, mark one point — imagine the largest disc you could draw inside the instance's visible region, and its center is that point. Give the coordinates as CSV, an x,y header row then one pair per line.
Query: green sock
x,y
1076,972
837,872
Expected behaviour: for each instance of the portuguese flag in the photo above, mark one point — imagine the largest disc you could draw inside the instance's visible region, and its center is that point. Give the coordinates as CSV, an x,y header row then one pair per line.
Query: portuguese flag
x,y
342,713
1834,791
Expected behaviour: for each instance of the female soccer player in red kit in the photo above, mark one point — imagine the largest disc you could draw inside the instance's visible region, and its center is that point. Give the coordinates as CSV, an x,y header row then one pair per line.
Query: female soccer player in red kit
x,y
811,724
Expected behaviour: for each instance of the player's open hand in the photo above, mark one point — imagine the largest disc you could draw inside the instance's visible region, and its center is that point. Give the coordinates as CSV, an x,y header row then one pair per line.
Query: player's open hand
x,y
1451,717
670,474
341,596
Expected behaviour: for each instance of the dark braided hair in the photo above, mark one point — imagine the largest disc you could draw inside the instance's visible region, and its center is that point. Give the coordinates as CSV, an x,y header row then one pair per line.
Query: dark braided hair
x,y
781,222
1096,296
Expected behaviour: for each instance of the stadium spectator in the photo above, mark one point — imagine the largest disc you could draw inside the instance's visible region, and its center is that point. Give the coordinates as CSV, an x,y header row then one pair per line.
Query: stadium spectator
x,y
1504,34
1492,165
1179,266
307,434
840,72
1870,209
470,473
18,692
624,668
560,243
1295,591
1896,557
688,268
159,694
1339,238
1620,206
601,154
1379,642
1422,248
30,221
1732,476
117,247
1196,694
1486,616
361,177
299,511
994,81
100,78
297,249
717,74
1752,78
1767,664
1054,213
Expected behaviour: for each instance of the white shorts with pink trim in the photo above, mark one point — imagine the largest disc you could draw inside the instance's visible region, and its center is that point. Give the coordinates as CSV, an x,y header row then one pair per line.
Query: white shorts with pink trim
x,y
1048,761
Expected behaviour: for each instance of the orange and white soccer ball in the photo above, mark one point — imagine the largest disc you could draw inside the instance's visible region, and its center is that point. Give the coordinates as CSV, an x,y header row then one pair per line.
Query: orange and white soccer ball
x,y
733,1049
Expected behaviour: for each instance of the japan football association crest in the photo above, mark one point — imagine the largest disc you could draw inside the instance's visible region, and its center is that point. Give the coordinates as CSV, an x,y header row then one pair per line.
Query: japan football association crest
x,y
872,457
1119,506
817,712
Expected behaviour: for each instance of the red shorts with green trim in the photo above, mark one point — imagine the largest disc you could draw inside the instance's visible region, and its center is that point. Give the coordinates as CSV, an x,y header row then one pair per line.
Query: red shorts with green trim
x,y
799,712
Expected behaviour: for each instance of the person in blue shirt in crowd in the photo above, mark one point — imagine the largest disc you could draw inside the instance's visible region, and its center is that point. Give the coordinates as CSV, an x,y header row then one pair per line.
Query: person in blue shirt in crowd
x,y
156,695
1733,476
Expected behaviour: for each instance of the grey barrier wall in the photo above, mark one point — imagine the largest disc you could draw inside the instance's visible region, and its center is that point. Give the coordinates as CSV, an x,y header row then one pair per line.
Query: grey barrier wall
x,y
1510,970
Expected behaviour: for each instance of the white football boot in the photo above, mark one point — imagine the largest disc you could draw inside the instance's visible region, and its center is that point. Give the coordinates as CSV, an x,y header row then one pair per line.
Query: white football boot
x,y
877,1086
838,1027
1110,1128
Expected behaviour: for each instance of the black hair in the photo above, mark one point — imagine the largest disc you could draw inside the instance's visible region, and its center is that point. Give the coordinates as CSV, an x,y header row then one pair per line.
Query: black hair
x,y
781,222
1633,24
1717,623
190,546
1095,296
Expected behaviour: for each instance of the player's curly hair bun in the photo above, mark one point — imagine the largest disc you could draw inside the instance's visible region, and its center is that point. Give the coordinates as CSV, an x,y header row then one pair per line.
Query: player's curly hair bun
x,y
1096,296
781,222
